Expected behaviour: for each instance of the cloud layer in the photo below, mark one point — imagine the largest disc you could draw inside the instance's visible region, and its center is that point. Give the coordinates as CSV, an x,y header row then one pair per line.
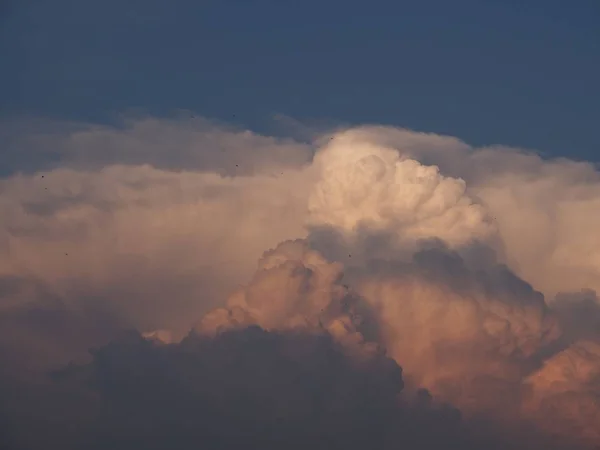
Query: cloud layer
x,y
474,270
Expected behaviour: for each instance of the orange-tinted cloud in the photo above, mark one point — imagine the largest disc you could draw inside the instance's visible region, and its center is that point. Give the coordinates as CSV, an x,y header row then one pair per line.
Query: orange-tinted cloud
x,y
474,269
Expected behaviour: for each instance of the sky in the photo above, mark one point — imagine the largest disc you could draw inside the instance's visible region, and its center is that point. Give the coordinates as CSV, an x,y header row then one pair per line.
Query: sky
x,y
519,73
263,225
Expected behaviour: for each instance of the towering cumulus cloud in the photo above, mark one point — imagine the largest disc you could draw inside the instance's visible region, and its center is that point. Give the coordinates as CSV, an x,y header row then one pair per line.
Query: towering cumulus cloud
x,y
410,292
379,189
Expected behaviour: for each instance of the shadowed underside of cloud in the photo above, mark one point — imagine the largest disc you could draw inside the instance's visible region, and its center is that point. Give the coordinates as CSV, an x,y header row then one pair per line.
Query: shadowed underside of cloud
x,y
475,270
258,389
242,388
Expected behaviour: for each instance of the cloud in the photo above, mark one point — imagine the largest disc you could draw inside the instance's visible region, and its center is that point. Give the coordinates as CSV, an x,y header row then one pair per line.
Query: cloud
x,y
469,336
247,387
567,391
254,388
475,270
183,142
366,185
472,337
295,288
545,209
142,245
135,235
542,209
579,315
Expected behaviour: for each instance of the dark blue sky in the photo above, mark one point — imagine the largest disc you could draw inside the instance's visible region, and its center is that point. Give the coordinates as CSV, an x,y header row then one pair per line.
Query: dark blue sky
x,y
523,73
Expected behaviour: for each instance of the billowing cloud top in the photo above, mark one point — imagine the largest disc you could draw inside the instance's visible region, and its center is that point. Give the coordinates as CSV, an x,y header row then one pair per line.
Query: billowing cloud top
x,y
398,273
363,184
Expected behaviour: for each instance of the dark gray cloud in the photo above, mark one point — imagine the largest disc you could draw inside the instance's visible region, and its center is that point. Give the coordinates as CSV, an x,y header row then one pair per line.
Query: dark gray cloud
x,y
246,389
46,332
579,313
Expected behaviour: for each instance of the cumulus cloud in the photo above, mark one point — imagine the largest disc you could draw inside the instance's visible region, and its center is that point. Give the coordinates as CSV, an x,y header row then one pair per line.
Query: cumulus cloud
x,y
295,288
475,338
364,185
579,315
147,242
475,270
546,211
251,388
566,391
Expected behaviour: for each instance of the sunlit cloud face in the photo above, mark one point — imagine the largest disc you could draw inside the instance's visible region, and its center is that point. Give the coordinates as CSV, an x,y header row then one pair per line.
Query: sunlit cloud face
x,y
475,270
381,189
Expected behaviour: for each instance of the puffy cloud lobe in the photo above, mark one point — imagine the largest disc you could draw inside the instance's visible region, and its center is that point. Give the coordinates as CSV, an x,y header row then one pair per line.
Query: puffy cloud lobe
x,y
487,323
366,185
545,210
295,288
468,336
566,391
